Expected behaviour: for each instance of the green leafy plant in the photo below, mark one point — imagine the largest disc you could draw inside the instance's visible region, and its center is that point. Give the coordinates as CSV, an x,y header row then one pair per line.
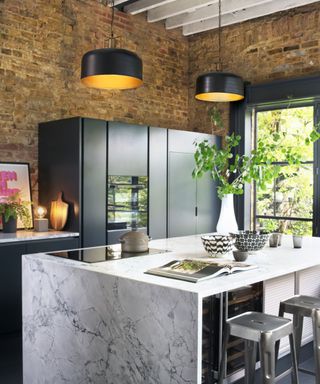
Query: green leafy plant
x,y
299,228
232,171
13,206
215,116
270,226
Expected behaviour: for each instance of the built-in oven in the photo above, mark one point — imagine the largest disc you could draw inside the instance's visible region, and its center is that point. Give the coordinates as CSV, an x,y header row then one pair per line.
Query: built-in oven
x,y
216,309
127,205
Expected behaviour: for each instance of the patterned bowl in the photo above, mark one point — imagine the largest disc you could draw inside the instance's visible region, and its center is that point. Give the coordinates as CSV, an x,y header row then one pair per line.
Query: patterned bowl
x,y
217,245
247,241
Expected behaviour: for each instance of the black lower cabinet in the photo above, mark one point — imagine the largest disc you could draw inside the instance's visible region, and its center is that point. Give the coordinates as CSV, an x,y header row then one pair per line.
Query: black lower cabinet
x,y
11,276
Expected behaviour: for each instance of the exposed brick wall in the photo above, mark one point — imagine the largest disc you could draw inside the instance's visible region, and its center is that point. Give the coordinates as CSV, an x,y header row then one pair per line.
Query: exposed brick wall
x,y
42,42
283,45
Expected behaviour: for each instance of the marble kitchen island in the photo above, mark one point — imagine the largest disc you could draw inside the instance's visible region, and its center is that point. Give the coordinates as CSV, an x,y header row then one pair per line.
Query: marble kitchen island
x,y
109,322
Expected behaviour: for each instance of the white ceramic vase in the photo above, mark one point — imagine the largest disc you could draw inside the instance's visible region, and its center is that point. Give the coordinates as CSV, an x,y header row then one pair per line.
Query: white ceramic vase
x,y
227,220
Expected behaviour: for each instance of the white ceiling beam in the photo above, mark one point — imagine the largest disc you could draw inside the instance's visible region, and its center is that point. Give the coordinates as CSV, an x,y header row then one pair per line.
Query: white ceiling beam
x,y
176,8
247,14
116,2
211,11
145,5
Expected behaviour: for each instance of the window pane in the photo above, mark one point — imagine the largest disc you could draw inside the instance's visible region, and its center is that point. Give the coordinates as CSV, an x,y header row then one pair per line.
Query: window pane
x,y
294,125
301,228
291,194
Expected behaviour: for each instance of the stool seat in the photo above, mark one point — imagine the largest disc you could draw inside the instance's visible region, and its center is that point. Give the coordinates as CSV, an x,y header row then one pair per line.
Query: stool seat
x,y
301,306
251,325
263,330
304,304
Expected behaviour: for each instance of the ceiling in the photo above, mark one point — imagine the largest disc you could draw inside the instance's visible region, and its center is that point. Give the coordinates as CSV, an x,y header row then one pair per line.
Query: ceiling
x,y
195,16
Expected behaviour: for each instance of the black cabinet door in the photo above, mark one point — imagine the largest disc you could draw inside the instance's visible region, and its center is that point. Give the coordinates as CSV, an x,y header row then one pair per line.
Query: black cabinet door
x,y
59,166
51,245
10,288
182,195
94,183
158,183
128,149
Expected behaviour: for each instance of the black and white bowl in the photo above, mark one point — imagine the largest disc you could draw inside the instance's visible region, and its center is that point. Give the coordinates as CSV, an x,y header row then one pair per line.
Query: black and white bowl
x,y
217,245
248,241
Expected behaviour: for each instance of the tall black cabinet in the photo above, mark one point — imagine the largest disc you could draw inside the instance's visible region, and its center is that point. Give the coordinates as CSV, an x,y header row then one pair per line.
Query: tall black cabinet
x,y
98,164
73,159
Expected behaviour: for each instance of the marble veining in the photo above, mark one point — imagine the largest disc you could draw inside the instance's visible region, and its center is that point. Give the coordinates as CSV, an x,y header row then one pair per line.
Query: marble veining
x,y
33,235
111,323
82,326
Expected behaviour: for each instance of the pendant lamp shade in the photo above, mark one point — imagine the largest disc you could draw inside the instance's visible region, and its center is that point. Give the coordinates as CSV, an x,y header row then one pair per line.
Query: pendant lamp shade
x,y
219,87
111,68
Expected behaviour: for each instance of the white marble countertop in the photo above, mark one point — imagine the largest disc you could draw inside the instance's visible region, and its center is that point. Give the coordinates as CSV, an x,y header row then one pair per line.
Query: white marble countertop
x,y
33,235
271,262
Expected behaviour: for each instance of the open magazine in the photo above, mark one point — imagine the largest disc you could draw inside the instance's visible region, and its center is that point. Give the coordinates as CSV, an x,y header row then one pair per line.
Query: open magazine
x,y
195,270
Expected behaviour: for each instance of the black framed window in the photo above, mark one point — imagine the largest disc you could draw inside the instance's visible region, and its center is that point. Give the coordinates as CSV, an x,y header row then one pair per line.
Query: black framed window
x,y
287,204
285,94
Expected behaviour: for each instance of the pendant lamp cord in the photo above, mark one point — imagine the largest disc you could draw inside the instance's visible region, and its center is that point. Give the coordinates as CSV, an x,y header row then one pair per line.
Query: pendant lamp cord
x,y
112,38
219,67
112,19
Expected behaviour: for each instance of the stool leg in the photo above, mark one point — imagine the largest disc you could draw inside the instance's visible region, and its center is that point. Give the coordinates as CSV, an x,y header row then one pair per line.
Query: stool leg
x,y
294,375
250,361
267,358
281,313
223,361
316,341
297,330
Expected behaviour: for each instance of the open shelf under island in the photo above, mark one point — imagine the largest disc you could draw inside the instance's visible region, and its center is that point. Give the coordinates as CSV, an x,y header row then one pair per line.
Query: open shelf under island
x,y
110,322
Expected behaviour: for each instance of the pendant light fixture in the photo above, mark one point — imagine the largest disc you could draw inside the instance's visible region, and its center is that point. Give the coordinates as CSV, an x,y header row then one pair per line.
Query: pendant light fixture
x,y
219,86
111,68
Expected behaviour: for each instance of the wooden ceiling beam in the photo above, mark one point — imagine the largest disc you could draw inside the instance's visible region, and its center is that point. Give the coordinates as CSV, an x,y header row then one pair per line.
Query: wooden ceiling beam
x,y
145,5
176,8
243,15
211,11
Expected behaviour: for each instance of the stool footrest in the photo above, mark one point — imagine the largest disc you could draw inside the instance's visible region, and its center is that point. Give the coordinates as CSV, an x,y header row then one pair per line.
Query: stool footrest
x,y
307,371
283,374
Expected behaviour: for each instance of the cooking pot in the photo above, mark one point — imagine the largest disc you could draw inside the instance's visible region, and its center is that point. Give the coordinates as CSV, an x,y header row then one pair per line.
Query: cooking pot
x,y
134,241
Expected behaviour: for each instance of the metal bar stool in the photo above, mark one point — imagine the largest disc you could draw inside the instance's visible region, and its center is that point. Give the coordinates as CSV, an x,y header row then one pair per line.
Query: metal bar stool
x,y
304,306
254,328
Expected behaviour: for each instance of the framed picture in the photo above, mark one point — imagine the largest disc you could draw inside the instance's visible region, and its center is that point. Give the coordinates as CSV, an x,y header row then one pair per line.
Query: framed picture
x,y
15,179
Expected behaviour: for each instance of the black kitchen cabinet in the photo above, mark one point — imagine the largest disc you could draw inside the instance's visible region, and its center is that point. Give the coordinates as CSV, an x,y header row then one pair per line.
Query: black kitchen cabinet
x,y
127,149
73,159
193,205
116,176
158,150
10,276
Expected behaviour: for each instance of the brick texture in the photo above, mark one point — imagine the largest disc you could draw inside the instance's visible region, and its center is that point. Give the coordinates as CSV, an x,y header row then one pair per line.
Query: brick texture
x,y
42,42
282,45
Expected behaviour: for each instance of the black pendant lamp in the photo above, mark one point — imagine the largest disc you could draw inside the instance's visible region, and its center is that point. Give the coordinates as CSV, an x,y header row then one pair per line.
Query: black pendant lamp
x,y
219,86
111,68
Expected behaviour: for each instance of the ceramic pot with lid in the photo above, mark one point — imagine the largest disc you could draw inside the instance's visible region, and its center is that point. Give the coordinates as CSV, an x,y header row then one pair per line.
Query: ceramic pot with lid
x,y
134,241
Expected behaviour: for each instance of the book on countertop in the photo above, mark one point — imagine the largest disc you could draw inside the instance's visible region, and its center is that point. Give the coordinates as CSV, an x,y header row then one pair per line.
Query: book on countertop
x,y
194,270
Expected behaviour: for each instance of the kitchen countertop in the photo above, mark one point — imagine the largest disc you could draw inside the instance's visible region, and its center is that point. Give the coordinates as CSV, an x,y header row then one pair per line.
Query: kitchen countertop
x,y
33,235
92,322
271,262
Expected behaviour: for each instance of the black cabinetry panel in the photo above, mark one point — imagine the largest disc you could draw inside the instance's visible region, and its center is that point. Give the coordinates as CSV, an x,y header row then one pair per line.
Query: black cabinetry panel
x,y
59,166
94,183
128,149
158,182
11,276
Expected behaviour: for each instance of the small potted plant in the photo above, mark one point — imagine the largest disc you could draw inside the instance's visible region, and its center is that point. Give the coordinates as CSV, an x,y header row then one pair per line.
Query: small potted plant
x,y
13,208
298,231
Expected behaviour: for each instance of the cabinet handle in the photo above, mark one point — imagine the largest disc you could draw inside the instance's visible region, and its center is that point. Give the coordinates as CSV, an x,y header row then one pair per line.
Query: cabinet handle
x,y
196,211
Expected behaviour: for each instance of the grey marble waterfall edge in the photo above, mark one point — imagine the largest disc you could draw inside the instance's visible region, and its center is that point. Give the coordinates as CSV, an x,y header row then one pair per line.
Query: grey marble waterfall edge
x,y
84,327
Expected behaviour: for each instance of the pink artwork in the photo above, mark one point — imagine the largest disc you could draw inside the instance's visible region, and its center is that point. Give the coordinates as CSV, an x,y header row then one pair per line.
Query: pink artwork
x,y
15,179
5,177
